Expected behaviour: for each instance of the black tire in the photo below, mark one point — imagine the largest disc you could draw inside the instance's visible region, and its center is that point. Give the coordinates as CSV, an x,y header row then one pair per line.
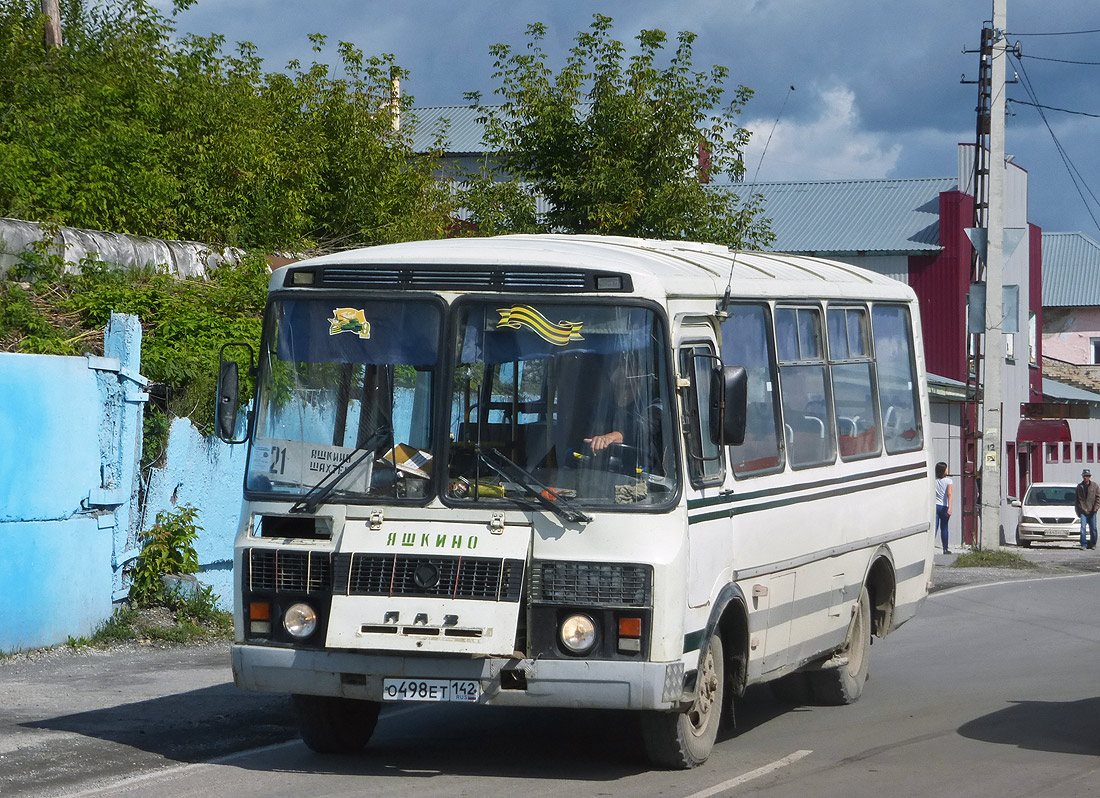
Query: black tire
x,y
844,684
1024,543
681,740
335,725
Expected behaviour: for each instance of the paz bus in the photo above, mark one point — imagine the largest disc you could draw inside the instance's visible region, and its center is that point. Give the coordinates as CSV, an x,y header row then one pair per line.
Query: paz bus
x,y
576,471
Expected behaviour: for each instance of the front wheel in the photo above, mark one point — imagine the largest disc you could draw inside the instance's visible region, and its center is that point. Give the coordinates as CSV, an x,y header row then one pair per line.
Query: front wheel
x,y
843,684
684,740
331,725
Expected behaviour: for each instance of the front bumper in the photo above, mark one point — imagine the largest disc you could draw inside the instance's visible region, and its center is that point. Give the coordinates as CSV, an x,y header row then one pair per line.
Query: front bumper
x,y
1051,532
545,683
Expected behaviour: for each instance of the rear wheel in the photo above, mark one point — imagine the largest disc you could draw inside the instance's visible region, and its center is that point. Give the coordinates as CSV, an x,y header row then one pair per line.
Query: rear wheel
x,y
685,739
843,684
330,725
1024,543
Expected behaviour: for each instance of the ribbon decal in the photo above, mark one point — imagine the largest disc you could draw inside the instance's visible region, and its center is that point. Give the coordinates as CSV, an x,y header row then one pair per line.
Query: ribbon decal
x,y
527,317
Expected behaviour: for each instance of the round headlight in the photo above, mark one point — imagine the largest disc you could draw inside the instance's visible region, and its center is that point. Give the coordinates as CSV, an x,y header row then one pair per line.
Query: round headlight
x,y
300,620
578,633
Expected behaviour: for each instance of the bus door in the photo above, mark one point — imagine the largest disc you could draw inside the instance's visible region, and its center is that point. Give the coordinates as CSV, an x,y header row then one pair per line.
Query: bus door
x,y
710,542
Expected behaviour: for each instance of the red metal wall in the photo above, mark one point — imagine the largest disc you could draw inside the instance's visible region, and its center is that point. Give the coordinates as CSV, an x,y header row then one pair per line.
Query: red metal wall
x,y
941,282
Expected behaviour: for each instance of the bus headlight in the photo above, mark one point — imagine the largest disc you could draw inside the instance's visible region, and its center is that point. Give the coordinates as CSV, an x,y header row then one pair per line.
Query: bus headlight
x,y
578,633
300,620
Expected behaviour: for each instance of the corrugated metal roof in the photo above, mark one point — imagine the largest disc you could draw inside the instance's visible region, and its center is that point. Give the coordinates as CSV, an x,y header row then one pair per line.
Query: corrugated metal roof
x,y
463,134
1059,390
849,217
1071,270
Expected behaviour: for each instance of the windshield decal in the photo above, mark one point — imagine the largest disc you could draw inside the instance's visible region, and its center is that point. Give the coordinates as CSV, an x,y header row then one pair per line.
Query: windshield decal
x,y
558,334
349,320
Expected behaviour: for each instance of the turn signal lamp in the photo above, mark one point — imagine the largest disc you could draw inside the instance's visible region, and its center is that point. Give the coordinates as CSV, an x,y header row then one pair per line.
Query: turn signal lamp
x,y
630,634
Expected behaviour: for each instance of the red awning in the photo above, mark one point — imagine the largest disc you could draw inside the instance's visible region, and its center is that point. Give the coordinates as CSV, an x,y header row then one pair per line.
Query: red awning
x,y
1044,430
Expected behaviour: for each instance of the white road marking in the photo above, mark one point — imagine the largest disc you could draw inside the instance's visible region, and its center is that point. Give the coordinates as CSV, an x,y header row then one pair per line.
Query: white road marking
x,y
790,759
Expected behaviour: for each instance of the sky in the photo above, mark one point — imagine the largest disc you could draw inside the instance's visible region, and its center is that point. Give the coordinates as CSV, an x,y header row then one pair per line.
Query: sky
x,y
877,91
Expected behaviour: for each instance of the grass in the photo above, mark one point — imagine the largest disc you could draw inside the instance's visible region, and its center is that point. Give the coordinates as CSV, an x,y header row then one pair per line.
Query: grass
x,y
175,618
992,559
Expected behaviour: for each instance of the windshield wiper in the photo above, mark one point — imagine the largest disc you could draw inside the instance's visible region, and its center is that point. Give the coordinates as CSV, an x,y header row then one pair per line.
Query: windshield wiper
x,y
543,494
316,495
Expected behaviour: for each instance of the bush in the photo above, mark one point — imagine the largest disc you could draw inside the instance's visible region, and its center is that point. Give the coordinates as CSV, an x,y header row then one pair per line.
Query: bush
x,y
168,548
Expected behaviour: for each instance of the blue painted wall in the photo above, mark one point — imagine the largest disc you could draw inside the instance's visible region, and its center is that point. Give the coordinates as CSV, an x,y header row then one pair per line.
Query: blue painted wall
x,y
70,441
208,475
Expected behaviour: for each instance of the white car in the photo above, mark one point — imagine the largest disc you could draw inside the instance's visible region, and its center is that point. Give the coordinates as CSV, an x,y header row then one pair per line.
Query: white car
x,y
1047,513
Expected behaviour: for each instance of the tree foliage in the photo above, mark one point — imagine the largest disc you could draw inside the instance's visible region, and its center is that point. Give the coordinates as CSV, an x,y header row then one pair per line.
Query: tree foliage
x,y
45,309
614,142
125,128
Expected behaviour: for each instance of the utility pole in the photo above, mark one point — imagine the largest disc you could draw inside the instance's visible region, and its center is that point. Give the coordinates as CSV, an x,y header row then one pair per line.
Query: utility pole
x,y
991,419
53,23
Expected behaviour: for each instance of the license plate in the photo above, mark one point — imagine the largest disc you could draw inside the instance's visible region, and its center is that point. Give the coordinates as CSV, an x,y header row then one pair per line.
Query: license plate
x,y
431,690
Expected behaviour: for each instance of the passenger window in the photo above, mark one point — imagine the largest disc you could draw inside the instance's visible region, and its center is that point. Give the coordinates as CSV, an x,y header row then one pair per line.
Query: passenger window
x,y
747,342
853,383
705,465
807,417
897,382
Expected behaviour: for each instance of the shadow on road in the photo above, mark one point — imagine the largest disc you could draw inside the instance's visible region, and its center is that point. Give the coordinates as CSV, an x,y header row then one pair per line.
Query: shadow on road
x,y
428,739
193,726
1065,727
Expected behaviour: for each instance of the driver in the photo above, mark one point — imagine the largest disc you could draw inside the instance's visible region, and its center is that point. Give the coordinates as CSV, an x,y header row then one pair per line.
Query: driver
x,y
632,416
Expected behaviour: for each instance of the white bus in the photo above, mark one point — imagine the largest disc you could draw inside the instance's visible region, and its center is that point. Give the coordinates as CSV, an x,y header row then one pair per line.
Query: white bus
x,y
565,471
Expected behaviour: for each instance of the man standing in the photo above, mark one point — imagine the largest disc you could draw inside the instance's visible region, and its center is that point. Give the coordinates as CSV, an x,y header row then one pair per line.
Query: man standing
x,y
1088,502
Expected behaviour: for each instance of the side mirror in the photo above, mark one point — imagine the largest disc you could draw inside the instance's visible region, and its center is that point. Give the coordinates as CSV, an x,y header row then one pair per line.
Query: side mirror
x,y
228,398
1016,503
729,392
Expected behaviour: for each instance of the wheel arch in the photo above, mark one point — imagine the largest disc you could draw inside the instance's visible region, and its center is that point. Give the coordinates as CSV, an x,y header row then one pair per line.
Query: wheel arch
x,y
882,584
729,617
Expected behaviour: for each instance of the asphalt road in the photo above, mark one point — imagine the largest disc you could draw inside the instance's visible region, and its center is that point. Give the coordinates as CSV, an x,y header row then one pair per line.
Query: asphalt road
x,y
991,691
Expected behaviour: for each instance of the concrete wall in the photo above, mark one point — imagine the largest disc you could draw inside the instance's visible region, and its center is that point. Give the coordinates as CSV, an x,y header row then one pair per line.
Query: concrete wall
x,y
209,475
70,442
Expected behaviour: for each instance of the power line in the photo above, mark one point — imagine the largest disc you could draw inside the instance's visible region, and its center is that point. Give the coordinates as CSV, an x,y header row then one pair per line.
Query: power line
x,y
1058,60
1074,174
1054,108
1056,33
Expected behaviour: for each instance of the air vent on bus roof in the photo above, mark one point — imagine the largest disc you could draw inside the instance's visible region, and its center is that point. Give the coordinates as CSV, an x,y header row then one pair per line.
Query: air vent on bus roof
x,y
468,279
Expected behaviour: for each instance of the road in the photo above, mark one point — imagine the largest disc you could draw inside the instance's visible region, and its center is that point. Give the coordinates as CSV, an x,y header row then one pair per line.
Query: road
x,y
993,690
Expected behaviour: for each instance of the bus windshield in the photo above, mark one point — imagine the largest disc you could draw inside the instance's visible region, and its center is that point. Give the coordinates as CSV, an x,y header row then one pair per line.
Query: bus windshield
x,y
344,403
559,400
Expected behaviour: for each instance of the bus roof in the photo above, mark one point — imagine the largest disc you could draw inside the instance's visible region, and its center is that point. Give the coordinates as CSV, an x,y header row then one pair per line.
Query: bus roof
x,y
657,268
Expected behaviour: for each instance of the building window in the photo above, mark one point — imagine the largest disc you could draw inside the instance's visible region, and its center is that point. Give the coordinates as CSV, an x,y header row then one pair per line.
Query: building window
x,y
1095,346
1052,453
1078,452
1088,452
1065,452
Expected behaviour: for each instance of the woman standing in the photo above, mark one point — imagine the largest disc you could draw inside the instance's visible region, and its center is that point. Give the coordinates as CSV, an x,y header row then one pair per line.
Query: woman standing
x,y
943,502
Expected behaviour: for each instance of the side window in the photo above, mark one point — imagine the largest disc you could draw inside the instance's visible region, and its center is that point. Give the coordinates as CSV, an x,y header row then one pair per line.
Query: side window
x,y
897,380
747,342
853,382
705,465
807,419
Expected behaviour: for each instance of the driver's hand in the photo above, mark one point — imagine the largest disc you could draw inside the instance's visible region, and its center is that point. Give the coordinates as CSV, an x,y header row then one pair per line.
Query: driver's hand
x,y
601,442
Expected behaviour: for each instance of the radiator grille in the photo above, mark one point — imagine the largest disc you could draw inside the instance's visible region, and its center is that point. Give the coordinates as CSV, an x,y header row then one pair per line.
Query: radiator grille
x,y
594,584
477,578
289,571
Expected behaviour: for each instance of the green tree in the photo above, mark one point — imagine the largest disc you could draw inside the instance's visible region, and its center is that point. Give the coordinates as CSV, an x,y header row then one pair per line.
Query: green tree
x,y
613,143
125,128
